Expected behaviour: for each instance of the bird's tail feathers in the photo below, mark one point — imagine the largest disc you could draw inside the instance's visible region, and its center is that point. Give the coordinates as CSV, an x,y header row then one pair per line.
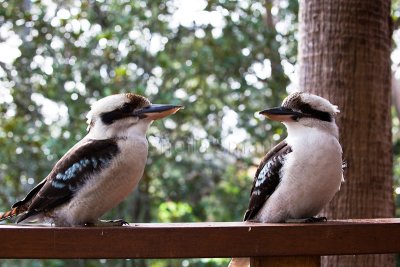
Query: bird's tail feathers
x,y
239,262
9,214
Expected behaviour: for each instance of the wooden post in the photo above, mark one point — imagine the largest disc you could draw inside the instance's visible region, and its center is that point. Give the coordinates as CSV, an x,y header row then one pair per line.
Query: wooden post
x,y
295,261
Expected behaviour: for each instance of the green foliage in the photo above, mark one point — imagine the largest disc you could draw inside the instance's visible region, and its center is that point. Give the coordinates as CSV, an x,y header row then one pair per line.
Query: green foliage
x,y
396,162
175,212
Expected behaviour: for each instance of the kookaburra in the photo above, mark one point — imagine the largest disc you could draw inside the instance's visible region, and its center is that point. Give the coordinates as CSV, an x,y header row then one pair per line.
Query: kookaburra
x,y
301,174
99,171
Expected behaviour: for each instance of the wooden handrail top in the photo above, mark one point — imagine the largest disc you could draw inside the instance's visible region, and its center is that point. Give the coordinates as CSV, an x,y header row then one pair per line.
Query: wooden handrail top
x,y
202,240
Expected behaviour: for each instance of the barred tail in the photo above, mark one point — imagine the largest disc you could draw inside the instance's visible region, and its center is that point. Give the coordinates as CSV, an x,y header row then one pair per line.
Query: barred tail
x,y
9,214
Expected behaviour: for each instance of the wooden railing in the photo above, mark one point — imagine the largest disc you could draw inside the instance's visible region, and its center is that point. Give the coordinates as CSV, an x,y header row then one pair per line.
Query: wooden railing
x,y
266,244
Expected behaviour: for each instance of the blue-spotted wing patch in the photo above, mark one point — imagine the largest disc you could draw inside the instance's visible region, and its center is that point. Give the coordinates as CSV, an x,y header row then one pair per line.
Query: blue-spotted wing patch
x,y
266,178
83,167
68,176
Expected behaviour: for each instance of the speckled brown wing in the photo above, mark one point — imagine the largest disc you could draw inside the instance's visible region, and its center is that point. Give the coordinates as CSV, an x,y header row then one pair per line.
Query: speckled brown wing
x,y
267,178
68,176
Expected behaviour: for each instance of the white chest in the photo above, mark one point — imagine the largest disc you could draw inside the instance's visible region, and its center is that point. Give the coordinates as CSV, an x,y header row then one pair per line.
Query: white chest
x,y
312,173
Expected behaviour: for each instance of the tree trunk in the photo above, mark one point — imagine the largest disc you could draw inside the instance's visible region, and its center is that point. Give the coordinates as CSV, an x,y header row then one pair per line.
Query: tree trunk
x,y
344,55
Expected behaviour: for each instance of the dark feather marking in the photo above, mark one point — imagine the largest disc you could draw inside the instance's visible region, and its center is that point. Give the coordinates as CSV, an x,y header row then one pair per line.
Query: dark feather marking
x,y
68,175
126,110
137,101
266,180
317,114
111,116
29,196
294,102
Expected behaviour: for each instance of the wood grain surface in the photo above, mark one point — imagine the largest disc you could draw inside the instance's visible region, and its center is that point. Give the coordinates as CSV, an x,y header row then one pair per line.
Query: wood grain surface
x,y
202,240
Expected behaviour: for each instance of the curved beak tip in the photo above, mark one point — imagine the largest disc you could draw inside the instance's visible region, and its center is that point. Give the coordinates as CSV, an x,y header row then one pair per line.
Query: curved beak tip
x,y
155,112
175,109
179,107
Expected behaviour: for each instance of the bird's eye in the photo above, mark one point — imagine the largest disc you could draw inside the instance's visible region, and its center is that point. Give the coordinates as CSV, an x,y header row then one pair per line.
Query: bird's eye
x,y
126,108
295,118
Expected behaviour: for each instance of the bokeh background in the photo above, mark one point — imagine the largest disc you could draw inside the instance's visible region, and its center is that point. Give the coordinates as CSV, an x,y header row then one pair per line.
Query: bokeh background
x,y
222,60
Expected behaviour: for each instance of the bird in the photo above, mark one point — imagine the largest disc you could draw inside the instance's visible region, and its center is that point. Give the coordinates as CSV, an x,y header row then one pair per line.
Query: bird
x,y
99,171
302,173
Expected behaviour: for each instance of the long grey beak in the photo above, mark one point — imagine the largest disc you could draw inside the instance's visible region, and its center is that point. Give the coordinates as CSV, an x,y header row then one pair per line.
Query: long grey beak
x,y
282,114
157,111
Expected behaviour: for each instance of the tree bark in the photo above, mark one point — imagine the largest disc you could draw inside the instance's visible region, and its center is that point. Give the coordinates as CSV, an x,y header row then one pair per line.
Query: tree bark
x,y
344,55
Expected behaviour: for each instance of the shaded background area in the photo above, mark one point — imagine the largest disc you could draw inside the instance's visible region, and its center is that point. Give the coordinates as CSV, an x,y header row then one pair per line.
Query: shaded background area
x,y
223,60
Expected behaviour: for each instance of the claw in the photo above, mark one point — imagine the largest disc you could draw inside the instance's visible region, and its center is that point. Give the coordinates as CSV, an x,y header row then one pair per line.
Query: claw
x,y
307,220
107,223
316,219
118,221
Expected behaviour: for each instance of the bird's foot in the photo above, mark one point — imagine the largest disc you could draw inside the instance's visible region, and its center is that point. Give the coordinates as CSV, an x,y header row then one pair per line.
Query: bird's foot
x,y
107,223
316,219
307,220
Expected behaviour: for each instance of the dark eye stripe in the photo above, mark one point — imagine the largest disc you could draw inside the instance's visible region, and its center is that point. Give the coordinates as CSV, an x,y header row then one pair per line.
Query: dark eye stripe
x,y
320,115
110,117
126,108
123,112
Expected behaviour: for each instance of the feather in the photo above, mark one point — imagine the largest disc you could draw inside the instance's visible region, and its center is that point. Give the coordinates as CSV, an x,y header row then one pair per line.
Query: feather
x,y
67,176
267,178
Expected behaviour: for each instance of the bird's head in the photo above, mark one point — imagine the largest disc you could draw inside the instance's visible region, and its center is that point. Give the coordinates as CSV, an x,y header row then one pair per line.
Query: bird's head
x,y
122,114
304,109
